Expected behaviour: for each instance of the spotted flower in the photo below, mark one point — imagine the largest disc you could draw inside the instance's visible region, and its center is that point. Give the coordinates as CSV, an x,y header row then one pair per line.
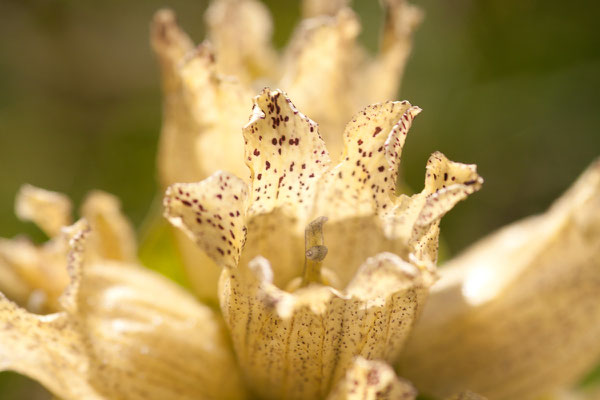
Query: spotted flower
x,y
207,89
359,295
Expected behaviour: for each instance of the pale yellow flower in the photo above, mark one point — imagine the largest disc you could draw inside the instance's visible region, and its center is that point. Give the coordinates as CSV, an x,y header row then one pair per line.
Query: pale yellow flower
x,y
296,343
207,89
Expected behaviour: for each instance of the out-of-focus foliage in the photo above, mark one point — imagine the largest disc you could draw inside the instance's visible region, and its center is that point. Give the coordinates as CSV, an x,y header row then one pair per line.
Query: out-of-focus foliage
x,y
498,81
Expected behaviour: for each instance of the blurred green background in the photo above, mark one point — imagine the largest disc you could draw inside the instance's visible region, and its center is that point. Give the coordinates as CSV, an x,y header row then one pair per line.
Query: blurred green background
x,y
513,86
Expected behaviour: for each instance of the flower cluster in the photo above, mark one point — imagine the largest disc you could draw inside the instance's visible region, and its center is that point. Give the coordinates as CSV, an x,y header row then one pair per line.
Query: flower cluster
x,y
324,272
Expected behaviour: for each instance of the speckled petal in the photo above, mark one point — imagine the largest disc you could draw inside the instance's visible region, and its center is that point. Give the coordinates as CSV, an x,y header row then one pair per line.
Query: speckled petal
x,y
286,156
48,210
372,380
364,183
298,345
446,183
359,194
123,332
518,314
212,214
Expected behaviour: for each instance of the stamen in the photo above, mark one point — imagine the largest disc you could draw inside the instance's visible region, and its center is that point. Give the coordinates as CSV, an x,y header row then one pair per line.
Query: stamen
x,y
315,252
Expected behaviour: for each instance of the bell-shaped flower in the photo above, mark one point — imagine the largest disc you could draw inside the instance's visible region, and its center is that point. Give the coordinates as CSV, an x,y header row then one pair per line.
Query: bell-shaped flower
x,y
207,89
303,298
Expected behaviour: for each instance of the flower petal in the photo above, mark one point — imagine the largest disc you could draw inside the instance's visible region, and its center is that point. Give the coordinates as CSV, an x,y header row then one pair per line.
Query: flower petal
x,y
298,345
46,349
241,32
359,198
218,106
34,275
524,299
372,380
114,236
170,44
365,180
446,183
212,214
124,332
48,210
319,65
285,155
37,272
203,111
202,108
384,73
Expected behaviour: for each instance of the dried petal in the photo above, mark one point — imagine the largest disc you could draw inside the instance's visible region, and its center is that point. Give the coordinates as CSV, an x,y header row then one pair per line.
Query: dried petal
x,y
372,380
115,338
524,299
